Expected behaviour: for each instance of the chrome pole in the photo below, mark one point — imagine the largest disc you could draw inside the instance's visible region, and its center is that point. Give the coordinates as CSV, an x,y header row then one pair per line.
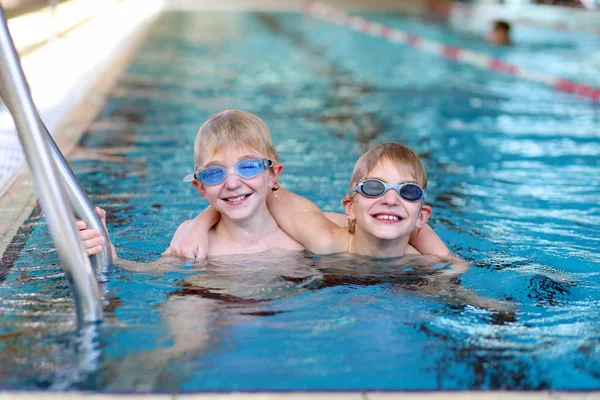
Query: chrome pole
x,y
81,204
60,220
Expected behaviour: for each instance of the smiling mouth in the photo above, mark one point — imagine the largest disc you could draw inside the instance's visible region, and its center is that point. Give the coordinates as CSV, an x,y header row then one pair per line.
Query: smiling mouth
x,y
387,218
237,199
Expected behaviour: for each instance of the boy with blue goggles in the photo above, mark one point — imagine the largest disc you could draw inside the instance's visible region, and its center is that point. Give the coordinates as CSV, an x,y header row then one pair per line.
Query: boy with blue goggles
x,y
229,142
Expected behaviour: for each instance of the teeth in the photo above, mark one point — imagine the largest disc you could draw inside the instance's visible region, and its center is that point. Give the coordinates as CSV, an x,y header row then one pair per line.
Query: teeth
x,y
388,217
239,198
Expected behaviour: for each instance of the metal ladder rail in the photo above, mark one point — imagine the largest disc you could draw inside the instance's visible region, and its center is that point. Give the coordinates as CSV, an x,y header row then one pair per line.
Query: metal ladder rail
x,y
61,224
82,206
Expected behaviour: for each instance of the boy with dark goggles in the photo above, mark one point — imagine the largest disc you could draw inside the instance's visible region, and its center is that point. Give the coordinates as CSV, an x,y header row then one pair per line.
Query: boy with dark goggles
x,y
245,169
373,188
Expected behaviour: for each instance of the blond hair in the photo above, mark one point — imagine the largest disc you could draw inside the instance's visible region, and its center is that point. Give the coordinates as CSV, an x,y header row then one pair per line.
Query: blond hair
x,y
401,157
233,128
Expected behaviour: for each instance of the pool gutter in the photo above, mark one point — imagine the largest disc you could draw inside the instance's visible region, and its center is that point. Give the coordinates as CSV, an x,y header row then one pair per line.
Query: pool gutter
x,y
462,395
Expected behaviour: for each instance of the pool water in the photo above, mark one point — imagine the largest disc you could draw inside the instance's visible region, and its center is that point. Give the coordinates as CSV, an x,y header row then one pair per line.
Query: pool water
x,y
514,183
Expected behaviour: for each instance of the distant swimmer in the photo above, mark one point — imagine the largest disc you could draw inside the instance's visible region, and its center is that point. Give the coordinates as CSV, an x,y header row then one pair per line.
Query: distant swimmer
x,y
500,34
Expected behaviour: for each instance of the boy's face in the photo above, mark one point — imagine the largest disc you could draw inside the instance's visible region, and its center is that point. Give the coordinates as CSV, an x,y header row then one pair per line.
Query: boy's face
x,y
237,198
388,216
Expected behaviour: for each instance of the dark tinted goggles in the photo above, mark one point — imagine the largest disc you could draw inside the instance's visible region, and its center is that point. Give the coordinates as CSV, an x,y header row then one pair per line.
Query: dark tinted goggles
x,y
245,169
375,188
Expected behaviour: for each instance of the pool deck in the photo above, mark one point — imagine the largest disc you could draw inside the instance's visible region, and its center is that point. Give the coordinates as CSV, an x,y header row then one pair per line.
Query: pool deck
x,y
311,395
76,111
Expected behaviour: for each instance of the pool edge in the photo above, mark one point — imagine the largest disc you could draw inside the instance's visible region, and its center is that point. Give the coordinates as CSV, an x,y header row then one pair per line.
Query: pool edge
x,y
468,395
19,198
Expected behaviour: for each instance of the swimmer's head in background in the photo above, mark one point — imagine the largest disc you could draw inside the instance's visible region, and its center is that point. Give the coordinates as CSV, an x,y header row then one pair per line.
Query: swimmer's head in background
x,y
500,33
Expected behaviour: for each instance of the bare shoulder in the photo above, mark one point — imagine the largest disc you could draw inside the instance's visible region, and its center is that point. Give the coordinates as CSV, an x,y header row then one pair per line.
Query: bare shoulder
x,y
282,240
183,230
184,243
333,240
412,251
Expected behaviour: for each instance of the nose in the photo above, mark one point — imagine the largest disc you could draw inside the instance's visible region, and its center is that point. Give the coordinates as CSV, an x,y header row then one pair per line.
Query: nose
x,y
390,198
232,181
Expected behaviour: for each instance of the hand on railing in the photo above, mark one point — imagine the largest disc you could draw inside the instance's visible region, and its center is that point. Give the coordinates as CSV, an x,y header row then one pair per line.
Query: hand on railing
x,y
92,238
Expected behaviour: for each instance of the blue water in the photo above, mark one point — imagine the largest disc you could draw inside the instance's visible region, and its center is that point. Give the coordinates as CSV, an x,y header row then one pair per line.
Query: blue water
x,y
513,180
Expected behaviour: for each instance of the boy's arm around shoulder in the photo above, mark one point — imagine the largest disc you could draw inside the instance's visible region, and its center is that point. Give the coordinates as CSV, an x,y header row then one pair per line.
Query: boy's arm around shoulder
x,y
191,238
305,222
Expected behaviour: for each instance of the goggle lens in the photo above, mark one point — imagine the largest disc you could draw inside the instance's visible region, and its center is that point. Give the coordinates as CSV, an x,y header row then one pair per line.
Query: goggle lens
x,y
411,192
249,168
373,188
245,169
212,175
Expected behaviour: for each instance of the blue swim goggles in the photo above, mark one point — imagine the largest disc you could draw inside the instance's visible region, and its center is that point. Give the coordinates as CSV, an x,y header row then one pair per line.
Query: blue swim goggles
x,y
245,169
375,188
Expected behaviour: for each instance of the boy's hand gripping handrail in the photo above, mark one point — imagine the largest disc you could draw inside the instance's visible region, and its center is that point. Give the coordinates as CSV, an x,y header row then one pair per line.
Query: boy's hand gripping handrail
x,y
81,204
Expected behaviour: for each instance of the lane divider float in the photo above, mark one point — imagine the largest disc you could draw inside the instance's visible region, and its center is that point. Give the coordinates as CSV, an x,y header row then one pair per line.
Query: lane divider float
x,y
458,54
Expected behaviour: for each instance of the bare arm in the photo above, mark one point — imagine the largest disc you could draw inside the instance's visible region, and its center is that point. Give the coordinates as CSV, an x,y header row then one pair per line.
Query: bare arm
x,y
337,218
426,241
186,243
305,222
191,238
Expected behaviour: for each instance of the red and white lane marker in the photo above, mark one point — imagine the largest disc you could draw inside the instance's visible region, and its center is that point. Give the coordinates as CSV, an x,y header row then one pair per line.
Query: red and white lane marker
x,y
475,59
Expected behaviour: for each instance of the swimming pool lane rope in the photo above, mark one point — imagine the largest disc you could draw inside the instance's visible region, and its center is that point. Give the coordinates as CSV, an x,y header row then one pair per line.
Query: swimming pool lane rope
x,y
461,55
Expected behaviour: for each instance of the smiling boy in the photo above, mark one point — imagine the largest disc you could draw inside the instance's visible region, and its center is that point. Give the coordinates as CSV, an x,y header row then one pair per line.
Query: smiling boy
x,y
384,206
236,166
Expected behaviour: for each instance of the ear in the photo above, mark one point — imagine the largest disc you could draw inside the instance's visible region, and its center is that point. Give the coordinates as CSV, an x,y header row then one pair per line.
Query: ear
x,y
348,204
274,173
199,187
424,215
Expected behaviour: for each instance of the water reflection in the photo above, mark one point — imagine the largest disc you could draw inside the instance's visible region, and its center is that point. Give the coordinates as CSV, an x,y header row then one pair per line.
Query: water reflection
x,y
226,294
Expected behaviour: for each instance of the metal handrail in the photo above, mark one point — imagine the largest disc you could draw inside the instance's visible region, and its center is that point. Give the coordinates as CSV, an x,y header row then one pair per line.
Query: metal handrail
x,y
81,204
35,143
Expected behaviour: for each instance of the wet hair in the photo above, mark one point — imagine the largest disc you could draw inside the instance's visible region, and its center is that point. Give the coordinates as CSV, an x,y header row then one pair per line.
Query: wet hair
x,y
502,25
233,128
401,157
